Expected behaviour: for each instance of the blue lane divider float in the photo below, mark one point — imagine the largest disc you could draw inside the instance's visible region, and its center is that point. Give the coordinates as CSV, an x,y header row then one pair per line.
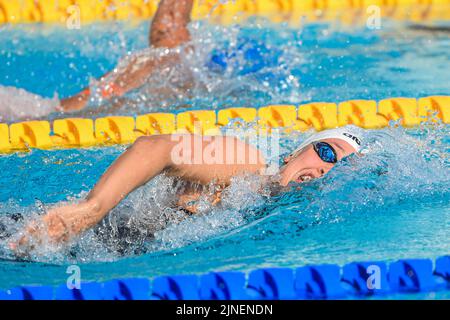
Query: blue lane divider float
x,y
366,278
319,282
88,291
223,286
28,293
443,268
271,284
354,280
411,276
183,287
126,289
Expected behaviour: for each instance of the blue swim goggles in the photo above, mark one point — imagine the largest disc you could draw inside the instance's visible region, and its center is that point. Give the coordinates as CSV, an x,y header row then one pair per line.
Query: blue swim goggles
x,y
325,152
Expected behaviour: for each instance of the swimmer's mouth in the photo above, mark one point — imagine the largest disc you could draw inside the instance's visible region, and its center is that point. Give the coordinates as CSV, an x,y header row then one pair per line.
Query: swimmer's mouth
x,y
303,178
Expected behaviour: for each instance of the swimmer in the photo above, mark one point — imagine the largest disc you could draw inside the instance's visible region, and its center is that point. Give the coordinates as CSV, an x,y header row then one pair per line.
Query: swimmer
x,y
168,30
186,158
168,33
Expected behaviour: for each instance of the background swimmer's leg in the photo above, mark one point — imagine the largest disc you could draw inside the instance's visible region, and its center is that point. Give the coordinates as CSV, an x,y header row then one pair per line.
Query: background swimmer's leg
x,y
169,26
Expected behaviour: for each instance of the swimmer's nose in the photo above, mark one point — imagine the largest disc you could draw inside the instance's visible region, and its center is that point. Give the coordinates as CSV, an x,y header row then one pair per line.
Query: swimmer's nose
x,y
322,171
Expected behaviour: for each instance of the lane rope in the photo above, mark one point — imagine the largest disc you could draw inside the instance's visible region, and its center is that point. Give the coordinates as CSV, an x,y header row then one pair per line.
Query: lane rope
x,y
329,281
293,11
114,130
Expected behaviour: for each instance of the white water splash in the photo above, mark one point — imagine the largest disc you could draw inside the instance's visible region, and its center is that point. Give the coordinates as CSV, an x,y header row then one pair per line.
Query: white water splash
x,y
19,104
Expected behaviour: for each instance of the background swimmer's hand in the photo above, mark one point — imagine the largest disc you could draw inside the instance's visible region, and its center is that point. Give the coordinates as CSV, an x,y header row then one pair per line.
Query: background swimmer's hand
x,y
75,103
189,201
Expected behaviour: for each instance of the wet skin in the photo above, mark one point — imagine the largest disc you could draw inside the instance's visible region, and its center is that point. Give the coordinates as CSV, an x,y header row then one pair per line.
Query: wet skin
x,y
306,164
153,155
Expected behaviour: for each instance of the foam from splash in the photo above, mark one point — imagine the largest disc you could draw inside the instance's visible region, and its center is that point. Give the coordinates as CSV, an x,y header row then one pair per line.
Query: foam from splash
x,y
19,104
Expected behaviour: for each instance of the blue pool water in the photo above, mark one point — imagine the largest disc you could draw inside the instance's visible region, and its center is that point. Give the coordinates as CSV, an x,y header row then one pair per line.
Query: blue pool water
x,y
391,203
319,62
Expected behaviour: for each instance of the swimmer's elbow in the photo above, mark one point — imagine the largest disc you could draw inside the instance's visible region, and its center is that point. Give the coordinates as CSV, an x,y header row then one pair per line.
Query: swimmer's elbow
x,y
145,142
157,147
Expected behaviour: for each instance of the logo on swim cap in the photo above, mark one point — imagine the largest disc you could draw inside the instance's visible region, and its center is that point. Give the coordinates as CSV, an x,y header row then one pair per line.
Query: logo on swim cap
x,y
352,137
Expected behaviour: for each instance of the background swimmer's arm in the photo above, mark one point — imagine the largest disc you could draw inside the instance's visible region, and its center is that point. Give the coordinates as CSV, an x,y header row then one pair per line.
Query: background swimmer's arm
x,y
76,102
168,30
169,26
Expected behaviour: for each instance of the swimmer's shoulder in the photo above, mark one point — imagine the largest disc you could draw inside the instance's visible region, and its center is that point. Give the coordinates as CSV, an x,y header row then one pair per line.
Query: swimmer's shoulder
x,y
249,155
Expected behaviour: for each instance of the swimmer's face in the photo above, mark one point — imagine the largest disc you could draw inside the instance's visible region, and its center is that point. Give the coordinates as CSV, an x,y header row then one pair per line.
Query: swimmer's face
x,y
306,163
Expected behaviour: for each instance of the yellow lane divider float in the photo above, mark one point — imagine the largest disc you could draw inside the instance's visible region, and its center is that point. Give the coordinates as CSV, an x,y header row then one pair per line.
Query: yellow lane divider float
x,y
77,132
61,11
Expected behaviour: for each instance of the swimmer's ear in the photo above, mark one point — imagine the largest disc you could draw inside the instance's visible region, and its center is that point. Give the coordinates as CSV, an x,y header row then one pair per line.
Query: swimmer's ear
x,y
290,156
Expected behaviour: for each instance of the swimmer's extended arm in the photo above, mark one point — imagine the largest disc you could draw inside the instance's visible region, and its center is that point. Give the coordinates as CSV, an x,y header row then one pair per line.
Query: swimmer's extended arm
x,y
141,162
148,157
168,30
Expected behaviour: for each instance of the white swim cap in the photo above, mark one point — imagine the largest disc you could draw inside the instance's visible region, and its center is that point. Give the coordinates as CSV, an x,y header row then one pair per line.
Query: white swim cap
x,y
347,134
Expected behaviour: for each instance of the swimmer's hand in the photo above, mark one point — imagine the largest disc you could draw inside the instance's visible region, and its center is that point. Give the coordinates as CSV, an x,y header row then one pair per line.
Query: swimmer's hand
x,y
59,225
189,201
49,229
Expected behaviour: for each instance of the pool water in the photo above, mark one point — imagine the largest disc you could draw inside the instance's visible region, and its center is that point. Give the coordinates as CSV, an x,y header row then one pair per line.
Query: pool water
x,y
391,203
